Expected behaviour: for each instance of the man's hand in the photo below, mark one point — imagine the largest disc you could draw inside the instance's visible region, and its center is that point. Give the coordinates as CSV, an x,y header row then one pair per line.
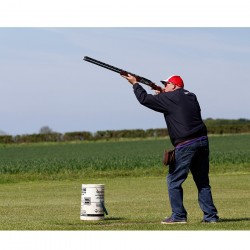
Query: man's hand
x,y
158,91
130,78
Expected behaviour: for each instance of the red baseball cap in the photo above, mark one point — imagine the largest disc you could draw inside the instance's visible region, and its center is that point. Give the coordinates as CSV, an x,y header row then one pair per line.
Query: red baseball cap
x,y
174,80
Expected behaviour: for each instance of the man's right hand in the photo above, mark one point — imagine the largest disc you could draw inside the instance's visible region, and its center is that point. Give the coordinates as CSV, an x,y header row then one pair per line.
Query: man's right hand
x,y
158,92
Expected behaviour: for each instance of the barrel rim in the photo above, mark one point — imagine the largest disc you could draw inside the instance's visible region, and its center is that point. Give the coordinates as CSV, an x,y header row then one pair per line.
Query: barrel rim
x,y
92,185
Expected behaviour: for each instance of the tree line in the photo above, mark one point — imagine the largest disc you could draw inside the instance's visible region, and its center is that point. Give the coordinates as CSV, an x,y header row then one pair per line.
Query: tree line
x,y
214,126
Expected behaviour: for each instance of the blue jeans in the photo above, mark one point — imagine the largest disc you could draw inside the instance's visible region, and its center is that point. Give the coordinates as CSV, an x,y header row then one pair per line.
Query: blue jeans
x,y
194,157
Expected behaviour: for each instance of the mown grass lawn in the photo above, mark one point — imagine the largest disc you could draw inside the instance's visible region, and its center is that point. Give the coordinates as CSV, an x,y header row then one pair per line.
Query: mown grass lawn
x,y
133,203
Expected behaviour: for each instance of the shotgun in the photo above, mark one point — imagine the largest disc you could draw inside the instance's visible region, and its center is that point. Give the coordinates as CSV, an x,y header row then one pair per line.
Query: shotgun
x,y
123,72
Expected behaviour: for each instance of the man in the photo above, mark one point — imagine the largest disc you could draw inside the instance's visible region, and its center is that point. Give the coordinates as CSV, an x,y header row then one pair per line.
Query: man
x,y
188,134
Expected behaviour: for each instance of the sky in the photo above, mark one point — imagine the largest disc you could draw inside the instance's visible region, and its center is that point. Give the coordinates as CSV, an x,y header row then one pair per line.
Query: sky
x,y
45,81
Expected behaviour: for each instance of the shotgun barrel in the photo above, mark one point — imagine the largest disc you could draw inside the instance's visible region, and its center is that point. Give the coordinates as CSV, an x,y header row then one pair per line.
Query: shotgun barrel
x,y
123,72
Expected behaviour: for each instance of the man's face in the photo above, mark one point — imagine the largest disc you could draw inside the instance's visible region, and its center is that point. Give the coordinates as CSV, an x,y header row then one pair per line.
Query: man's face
x,y
169,87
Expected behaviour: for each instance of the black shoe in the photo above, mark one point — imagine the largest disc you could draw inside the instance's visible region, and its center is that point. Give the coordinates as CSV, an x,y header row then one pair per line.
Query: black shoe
x,y
210,221
173,221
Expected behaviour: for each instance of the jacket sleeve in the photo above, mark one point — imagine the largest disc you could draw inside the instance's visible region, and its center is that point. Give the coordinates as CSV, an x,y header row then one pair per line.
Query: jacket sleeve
x,y
153,102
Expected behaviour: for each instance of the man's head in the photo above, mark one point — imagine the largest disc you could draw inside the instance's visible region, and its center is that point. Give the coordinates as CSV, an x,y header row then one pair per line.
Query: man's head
x,y
173,83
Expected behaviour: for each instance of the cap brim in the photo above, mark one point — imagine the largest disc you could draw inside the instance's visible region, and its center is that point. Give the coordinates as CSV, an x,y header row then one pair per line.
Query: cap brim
x,y
163,82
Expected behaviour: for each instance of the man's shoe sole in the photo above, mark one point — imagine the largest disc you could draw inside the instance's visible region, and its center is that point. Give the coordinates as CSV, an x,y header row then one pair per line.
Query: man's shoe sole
x,y
174,222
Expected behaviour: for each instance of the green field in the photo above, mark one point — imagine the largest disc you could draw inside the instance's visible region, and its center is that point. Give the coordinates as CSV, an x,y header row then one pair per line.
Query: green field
x,y
41,185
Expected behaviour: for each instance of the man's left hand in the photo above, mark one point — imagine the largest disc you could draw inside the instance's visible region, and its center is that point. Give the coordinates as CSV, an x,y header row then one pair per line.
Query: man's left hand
x,y
130,78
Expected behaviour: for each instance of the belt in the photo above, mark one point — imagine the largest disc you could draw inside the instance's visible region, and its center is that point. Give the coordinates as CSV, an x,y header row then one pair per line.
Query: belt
x,y
189,142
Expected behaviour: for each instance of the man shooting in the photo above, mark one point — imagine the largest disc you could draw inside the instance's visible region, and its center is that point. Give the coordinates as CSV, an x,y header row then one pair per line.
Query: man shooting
x,y
188,134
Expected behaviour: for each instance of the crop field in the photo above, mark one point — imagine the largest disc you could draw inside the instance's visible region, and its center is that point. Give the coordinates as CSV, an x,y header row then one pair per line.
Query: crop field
x,y
115,158
41,185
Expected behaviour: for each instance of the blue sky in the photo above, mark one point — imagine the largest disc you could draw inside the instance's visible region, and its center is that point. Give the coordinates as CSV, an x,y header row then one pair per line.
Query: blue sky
x,y
45,82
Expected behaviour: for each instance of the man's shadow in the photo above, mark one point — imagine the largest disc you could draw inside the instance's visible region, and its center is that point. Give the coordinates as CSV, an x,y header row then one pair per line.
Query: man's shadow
x,y
233,219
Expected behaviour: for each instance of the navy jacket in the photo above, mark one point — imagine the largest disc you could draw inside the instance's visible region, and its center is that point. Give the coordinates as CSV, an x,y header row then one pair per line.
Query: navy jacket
x,y
181,111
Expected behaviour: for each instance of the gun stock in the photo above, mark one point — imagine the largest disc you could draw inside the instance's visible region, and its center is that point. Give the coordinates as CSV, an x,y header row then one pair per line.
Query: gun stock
x,y
123,72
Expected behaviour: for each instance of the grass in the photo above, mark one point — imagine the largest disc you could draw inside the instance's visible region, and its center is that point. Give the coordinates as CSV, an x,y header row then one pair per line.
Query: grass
x,y
133,204
40,185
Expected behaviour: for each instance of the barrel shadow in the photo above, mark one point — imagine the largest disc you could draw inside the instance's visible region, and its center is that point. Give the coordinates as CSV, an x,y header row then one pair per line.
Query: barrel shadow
x,y
114,218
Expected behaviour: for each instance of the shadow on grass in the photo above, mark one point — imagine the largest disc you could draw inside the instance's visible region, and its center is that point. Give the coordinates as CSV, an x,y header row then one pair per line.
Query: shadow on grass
x,y
234,219
113,218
